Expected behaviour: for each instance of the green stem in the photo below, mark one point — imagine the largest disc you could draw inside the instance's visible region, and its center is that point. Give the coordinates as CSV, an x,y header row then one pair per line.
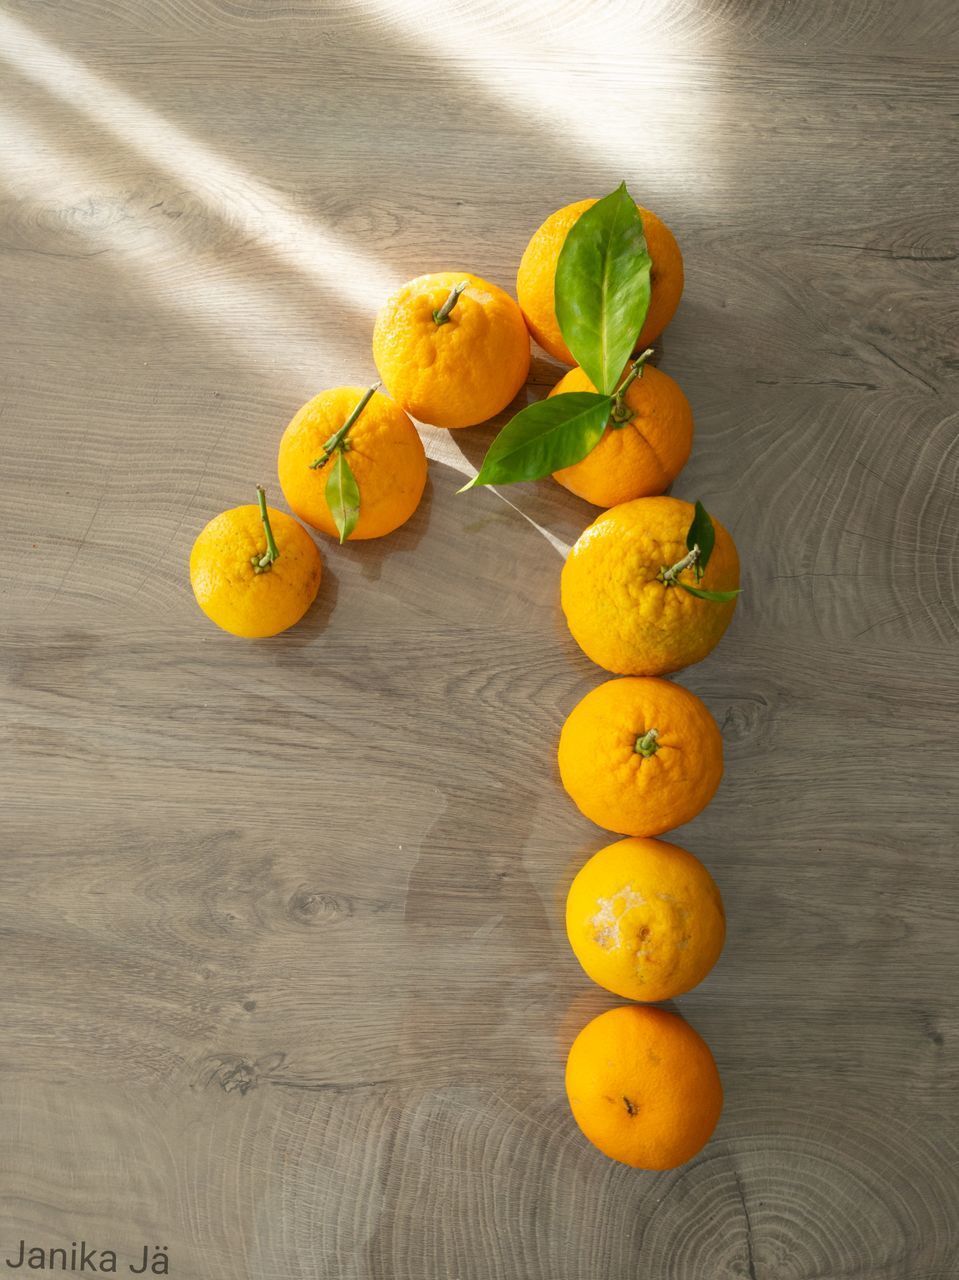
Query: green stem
x,y
338,438
261,564
621,413
443,315
668,576
646,744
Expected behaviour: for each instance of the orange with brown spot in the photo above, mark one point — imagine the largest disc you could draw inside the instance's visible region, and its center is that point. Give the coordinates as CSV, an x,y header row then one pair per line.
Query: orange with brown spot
x,y
643,1087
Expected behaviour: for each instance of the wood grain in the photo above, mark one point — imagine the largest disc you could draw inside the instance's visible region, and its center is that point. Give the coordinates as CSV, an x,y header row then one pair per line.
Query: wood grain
x,y
286,986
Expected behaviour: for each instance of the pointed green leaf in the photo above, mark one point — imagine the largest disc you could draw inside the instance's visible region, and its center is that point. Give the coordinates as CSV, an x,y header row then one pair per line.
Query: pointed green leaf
x,y
602,287
720,597
702,534
544,437
343,496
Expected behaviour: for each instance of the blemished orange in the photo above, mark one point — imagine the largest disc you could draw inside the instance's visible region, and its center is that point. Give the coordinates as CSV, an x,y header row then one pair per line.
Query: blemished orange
x,y
643,1087
621,614
537,274
458,372
640,755
645,919
640,457
230,590
385,454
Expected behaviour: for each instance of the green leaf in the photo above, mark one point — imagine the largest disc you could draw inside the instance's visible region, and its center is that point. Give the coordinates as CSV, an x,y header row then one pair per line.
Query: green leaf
x,y
544,437
343,496
602,287
702,534
721,597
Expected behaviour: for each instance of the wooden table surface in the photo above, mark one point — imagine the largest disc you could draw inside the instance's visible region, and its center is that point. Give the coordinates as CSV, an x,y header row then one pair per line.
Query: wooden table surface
x,y
285,982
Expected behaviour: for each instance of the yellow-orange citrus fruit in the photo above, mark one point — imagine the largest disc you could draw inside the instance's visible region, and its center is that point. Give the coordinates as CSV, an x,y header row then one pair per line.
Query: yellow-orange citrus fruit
x,y
638,458
384,453
645,919
537,273
458,372
233,594
619,611
643,1087
640,755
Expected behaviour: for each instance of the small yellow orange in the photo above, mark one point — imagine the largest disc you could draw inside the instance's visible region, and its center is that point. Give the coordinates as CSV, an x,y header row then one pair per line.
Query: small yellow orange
x,y
643,1087
254,599
454,369
645,919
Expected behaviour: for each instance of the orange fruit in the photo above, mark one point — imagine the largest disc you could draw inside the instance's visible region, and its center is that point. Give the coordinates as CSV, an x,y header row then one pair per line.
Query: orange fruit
x,y
384,453
537,273
462,369
645,919
640,755
621,613
643,1087
639,457
254,599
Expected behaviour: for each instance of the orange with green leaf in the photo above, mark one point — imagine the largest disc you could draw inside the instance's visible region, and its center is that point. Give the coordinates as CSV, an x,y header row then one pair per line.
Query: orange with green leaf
x,y
537,293
352,464
650,586
645,445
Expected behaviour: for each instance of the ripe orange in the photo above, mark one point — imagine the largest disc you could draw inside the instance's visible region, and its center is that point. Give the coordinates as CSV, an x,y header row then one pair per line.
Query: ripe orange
x,y
640,756
620,611
643,1087
384,453
639,457
236,582
537,273
645,919
454,369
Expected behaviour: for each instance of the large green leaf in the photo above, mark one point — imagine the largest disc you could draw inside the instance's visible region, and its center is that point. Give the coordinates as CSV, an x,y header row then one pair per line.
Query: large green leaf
x,y
343,495
544,437
602,287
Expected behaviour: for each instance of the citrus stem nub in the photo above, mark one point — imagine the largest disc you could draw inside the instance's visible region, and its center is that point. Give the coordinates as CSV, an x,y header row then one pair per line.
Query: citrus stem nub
x,y
668,576
646,744
443,315
261,564
338,439
621,413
